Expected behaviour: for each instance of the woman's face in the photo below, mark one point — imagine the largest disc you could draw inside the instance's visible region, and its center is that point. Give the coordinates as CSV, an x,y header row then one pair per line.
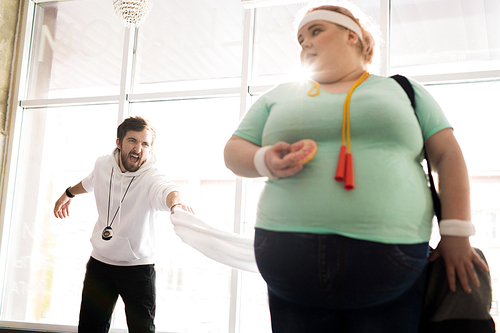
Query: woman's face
x,y
325,47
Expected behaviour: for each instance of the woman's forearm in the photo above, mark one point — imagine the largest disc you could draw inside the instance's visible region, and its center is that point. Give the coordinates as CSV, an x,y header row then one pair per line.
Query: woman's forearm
x,y
238,156
454,189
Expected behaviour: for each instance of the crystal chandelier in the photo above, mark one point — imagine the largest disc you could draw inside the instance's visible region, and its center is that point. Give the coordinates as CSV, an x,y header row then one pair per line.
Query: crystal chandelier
x,y
132,12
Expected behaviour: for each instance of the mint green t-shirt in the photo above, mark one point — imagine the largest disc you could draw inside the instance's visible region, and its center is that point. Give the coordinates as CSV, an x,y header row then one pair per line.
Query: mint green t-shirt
x,y
391,202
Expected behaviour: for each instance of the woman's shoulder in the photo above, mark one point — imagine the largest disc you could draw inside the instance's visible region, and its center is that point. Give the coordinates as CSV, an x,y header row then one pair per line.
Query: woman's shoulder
x,y
380,80
290,87
283,90
389,85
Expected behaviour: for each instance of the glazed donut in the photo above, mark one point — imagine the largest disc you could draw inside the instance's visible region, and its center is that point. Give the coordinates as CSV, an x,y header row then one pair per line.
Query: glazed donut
x,y
303,151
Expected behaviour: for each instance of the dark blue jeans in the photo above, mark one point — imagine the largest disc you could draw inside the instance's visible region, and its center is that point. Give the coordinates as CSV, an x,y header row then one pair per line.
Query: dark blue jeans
x,y
330,283
101,287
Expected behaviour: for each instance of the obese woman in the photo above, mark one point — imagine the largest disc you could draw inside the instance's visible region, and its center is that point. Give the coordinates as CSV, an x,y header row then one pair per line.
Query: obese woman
x,y
342,242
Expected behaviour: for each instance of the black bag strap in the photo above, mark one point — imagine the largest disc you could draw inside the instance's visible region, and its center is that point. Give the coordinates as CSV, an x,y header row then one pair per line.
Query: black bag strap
x,y
407,87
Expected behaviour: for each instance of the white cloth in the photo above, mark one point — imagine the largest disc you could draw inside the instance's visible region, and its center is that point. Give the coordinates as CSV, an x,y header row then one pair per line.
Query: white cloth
x,y
225,247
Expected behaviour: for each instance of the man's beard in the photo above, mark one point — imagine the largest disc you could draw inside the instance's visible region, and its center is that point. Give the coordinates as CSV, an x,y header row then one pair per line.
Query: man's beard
x,y
129,166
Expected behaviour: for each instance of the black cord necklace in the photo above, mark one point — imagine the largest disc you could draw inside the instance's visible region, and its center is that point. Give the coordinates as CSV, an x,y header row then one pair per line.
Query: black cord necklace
x,y
107,233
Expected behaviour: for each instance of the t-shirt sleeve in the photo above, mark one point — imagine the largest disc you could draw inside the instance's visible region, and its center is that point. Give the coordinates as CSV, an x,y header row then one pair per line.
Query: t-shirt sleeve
x,y
430,115
252,125
88,182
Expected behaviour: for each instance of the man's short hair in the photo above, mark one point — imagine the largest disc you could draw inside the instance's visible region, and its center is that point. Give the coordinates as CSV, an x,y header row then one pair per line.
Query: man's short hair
x,y
137,124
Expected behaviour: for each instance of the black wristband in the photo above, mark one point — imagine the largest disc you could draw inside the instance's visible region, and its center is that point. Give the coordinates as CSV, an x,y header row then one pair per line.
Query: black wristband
x,y
68,193
177,204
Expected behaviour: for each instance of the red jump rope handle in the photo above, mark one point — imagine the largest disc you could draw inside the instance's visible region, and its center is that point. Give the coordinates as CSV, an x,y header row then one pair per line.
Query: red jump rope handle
x,y
341,164
349,173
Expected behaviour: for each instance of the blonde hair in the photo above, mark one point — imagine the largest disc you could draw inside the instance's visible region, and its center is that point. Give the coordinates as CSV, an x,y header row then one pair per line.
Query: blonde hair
x,y
366,43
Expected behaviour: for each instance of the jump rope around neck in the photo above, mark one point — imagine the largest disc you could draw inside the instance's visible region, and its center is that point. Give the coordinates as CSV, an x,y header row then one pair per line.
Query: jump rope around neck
x,y
345,166
107,233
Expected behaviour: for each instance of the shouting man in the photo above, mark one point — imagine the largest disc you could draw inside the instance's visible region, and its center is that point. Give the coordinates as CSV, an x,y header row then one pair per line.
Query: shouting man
x,y
129,191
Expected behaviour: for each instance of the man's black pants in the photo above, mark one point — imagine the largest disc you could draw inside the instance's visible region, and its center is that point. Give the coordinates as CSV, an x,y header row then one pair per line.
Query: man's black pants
x,y
103,283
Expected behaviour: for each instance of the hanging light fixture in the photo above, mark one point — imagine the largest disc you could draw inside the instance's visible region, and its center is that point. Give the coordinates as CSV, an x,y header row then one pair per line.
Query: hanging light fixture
x,y
132,12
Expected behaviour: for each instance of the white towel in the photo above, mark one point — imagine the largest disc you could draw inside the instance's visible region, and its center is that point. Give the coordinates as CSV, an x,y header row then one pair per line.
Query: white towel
x,y
225,247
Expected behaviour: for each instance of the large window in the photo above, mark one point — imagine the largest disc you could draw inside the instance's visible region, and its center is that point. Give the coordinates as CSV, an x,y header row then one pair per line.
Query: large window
x,y
193,68
446,36
77,50
46,256
188,45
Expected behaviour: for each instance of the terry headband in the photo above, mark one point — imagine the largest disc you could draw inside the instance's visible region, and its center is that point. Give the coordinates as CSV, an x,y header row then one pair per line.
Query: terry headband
x,y
333,17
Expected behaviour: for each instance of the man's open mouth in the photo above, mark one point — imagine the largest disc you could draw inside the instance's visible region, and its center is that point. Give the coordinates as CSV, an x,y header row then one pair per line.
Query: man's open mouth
x,y
134,158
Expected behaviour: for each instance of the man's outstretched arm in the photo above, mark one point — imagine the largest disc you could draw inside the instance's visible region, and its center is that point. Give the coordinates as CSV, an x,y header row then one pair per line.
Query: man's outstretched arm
x,y
174,201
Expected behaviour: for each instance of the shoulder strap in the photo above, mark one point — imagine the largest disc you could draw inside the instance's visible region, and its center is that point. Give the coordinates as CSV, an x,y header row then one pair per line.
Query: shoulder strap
x,y
408,88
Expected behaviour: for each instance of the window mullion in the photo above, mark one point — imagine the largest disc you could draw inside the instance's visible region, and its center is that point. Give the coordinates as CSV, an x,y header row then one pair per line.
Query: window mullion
x,y
126,73
248,26
385,31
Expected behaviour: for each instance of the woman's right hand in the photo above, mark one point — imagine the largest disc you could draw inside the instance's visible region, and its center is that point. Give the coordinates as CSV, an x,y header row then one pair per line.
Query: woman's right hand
x,y
279,162
239,158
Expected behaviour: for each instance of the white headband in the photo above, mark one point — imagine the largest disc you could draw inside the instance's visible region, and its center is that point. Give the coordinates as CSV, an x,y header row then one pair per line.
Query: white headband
x,y
333,17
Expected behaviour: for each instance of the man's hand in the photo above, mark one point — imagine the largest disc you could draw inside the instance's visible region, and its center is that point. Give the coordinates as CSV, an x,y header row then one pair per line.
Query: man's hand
x,y
181,206
61,207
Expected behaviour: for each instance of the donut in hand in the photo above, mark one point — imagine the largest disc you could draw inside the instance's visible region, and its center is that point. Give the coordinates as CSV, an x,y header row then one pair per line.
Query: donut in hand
x,y
303,151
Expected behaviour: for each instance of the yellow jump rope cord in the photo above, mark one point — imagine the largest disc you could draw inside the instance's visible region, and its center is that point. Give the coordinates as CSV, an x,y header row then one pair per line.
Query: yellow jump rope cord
x,y
310,93
346,119
345,170
346,116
